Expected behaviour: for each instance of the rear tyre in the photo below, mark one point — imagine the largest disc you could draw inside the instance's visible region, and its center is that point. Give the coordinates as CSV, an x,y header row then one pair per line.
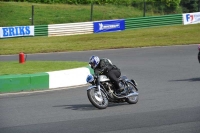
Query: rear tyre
x,y
93,98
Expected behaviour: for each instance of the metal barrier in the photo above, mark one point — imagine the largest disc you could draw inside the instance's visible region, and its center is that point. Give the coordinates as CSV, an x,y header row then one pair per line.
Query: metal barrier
x,y
89,27
70,29
41,30
142,22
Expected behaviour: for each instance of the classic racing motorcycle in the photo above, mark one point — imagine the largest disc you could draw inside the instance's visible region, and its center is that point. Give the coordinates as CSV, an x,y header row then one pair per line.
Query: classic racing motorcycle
x,y
101,91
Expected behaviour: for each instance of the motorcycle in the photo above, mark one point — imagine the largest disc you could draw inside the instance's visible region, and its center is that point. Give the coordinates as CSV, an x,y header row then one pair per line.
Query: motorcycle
x,y
101,91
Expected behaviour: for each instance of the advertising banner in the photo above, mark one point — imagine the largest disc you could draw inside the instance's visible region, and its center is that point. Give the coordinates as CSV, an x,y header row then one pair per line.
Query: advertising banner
x,y
109,26
16,31
191,18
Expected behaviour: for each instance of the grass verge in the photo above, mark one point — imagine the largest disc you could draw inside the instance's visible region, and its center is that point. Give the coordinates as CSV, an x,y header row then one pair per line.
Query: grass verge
x,y
13,67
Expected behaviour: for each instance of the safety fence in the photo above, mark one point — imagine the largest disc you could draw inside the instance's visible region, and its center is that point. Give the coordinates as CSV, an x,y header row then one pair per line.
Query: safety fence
x,y
99,26
142,22
88,27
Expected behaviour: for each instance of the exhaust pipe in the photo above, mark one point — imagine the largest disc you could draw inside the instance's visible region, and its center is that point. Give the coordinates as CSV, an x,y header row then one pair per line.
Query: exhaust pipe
x,y
132,94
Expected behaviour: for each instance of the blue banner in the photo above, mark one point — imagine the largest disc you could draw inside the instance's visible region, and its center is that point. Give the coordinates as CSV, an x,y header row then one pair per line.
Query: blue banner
x,y
108,26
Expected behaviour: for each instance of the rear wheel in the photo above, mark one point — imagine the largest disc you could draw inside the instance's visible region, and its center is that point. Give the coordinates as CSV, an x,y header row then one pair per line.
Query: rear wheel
x,y
96,100
132,99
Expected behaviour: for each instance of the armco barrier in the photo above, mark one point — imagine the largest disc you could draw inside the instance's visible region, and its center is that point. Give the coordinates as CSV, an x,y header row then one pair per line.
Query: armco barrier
x,y
142,22
44,81
70,29
41,30
89,27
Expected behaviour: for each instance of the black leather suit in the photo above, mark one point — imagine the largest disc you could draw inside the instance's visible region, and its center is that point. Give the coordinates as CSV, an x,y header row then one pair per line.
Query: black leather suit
x,y
111,71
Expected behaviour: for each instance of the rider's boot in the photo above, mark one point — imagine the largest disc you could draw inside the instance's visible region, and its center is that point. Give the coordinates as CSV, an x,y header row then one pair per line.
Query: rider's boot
x,y
118,91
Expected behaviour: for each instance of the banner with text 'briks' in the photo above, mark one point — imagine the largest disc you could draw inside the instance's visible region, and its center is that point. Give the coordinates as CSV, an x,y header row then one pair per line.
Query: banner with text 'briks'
x,y
109,26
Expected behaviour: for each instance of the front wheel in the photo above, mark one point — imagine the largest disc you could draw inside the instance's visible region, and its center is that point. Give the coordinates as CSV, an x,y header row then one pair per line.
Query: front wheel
x,y
132,89
96,100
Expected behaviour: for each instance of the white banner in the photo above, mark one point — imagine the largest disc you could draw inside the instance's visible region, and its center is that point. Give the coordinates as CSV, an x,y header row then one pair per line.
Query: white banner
x,y
16,31
191,18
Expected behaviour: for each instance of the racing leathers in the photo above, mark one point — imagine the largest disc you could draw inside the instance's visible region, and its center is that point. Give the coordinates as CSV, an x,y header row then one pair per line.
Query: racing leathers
x,y
111,71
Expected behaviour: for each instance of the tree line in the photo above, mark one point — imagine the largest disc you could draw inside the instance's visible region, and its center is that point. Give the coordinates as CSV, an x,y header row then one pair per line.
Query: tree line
x,y
157,5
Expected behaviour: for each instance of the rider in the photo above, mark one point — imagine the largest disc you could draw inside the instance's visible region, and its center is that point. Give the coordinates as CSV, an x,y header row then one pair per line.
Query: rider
x,y
104,66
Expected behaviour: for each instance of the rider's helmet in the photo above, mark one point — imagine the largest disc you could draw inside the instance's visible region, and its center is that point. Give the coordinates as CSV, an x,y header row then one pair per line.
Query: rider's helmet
x,y
94,61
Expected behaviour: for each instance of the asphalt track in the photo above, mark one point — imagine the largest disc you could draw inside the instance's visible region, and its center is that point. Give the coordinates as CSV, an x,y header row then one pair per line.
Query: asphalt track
x,y
169,87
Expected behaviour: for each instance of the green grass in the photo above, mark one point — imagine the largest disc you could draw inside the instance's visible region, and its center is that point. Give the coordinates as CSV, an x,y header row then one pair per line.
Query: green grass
x,y
18,13
13,67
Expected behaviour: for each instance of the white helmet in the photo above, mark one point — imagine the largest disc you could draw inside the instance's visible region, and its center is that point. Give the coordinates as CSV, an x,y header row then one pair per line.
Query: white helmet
x,y
94,61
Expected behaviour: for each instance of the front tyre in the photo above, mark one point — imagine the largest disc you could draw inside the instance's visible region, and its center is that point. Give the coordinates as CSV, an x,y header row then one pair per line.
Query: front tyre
x,y
132,99
94,99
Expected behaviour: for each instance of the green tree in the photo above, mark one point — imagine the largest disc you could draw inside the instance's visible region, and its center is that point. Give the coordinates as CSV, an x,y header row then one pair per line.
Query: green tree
x,y
189,5
167,6
171,5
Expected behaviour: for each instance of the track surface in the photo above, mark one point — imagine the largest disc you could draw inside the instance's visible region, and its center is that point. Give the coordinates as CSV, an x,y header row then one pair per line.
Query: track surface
x,y
169,101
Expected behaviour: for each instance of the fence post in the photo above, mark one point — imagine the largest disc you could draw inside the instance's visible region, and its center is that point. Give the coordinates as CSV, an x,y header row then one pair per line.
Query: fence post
x,y
199,6
144,8
91,14
32,18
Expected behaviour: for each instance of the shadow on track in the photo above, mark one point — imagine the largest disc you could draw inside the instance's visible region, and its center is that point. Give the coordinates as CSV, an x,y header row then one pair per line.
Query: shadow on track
x,y
189,80
80,107
86,107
